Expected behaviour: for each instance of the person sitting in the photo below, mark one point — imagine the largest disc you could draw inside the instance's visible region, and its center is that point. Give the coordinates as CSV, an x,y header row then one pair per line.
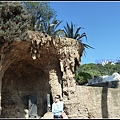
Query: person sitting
x,y
57,107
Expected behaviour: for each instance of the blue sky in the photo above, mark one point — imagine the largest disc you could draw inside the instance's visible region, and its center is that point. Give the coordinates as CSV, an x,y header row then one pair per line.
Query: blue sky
x,y
101,23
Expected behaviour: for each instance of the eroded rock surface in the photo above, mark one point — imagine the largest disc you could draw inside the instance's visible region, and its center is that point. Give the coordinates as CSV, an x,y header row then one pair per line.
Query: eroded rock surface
x,y
42,65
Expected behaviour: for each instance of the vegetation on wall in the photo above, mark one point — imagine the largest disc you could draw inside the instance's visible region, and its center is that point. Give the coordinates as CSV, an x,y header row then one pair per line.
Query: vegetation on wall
x,y
43,18
71,32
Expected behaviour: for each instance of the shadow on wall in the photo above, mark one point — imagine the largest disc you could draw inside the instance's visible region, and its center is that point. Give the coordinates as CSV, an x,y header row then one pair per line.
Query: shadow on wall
x,y
104,106
105,86
108,84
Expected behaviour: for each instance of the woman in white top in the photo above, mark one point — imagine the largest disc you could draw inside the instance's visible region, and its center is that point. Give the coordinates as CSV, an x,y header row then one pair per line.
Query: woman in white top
x,y
57,107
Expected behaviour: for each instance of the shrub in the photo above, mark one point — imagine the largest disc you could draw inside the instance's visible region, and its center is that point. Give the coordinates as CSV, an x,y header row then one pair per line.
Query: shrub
x,y
13,22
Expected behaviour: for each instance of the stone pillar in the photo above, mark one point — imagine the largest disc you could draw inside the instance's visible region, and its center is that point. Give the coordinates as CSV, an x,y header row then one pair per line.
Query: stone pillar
x,y
68,79
69,59
54,72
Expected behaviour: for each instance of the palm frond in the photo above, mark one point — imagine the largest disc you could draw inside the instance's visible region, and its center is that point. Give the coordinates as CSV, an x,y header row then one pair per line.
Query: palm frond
x,y
58,24
54,21
76,33
84,52
87,46
71,30
66,31
76,37
81,36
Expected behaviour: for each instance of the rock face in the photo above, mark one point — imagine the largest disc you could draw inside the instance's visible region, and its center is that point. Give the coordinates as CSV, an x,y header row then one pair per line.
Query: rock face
x,y
42,65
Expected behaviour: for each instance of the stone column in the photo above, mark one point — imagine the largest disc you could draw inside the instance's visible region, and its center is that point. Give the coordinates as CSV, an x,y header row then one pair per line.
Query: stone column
x,y
54,79
68,79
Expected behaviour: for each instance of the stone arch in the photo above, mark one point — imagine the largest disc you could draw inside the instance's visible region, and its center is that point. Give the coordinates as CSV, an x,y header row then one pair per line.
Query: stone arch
x,y
56,58
20,79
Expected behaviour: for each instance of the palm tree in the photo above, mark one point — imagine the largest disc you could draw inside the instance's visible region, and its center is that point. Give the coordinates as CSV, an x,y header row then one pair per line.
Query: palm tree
x,y
71,33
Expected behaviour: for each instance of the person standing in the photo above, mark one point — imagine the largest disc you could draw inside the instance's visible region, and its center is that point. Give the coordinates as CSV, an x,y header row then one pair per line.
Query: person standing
x,y
57,107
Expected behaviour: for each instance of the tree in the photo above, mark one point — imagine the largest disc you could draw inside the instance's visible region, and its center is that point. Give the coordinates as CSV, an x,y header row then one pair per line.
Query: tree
x,y
13,22
82,77
41,14
71,32
117,67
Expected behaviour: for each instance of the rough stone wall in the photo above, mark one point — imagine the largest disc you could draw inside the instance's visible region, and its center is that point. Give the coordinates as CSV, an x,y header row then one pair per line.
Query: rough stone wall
x,y
66,53
57,58
69,59
94,102
44,65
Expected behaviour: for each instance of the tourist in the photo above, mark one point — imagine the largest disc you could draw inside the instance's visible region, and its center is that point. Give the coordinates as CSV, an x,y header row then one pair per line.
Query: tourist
x,y
57,107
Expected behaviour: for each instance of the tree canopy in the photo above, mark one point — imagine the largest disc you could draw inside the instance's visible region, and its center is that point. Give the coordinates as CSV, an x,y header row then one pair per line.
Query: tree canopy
x,y
13,22
41,14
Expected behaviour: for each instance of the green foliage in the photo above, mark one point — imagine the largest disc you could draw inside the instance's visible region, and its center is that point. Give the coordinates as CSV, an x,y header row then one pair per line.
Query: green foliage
x,y
94,70
51,28
82,77
13,22
117,67
109,68
71,32
89,71
41,15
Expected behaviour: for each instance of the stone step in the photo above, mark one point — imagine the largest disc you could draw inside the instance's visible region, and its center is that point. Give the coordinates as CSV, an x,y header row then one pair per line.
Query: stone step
x,y
74,116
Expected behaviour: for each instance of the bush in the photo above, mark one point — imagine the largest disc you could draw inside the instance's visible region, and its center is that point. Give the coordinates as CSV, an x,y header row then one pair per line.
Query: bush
x,y
82,78
13,22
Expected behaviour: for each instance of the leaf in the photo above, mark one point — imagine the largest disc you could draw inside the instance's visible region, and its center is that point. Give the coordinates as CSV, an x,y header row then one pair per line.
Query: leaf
x,y
76,33
87,46
58,24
